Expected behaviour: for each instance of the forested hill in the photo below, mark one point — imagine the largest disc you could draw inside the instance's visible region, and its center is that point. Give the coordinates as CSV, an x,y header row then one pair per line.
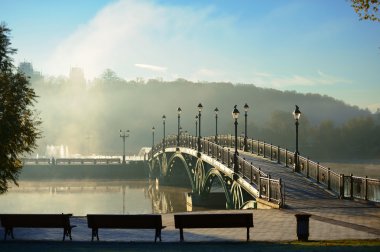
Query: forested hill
x,y
87,117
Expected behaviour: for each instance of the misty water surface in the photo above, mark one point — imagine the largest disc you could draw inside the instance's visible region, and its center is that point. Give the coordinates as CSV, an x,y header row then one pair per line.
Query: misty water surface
x,y
89,197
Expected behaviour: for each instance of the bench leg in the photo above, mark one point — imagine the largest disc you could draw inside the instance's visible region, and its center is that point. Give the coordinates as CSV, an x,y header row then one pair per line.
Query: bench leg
x,y
95,232
8,231
181,234
158,234
247,233
67,233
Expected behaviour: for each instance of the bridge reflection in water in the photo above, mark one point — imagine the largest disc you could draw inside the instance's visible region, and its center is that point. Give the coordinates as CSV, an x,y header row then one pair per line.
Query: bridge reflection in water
x,y
84,197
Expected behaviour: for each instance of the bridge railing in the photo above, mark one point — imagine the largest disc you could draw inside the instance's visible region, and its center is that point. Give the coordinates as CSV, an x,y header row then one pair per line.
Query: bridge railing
x,y
343,185
269,189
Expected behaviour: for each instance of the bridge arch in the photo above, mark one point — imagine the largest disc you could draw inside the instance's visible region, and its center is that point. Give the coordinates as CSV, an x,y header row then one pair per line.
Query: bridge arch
x,y
181,158
155,167
210,176
164,164
237,195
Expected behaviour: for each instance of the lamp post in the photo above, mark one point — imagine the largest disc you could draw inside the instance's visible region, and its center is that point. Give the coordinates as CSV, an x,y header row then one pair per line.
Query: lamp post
x,y
163,139
235,116
246,107
216,110
196,125
124,134
296,115
200,107
179,110
153,129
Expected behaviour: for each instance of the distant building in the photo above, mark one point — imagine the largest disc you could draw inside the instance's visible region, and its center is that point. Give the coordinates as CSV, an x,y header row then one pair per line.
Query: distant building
x,y
27,69
77,76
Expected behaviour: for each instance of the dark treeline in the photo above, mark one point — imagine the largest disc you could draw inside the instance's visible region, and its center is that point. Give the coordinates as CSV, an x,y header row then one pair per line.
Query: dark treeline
x,y
87,116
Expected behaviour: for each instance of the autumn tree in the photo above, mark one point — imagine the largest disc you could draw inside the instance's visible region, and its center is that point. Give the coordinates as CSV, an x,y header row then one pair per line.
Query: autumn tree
x,y
367,9
18,120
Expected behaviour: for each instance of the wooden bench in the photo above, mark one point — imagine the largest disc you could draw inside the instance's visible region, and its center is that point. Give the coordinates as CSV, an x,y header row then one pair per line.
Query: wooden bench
x,y
233,220
138,221
10,221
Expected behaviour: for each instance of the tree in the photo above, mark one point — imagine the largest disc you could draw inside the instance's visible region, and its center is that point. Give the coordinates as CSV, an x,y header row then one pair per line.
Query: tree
x,y
367,9
18,121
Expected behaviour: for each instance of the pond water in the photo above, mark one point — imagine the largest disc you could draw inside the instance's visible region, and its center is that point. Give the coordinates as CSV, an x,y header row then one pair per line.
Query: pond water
x,y
89,197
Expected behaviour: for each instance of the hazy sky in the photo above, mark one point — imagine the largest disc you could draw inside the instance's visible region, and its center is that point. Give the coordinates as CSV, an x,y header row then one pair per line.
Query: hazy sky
x,y
316,46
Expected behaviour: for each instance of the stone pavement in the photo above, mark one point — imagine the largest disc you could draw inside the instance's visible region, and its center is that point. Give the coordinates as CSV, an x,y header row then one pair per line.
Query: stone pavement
x,y
326,223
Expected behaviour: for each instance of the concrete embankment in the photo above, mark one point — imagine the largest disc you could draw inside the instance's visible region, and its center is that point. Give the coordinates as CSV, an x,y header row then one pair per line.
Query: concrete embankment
x,y
131,170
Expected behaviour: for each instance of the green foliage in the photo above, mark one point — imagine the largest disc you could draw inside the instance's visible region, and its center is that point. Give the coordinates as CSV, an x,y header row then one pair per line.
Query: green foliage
x,y
355,139
18,122
90,122
367,9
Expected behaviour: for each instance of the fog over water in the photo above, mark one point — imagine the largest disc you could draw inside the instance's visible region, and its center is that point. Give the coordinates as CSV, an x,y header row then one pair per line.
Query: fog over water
x,y
89,197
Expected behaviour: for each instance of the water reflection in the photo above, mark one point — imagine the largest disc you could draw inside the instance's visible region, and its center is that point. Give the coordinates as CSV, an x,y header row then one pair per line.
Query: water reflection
x,y
86,197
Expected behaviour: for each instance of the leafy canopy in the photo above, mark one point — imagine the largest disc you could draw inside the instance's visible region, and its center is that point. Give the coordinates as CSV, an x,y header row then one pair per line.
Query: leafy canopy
x,y
367,9
18,121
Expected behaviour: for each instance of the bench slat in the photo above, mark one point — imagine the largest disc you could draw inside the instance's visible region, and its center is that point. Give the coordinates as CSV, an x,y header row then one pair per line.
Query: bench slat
x,y
130,221
213,220
231,220
10,221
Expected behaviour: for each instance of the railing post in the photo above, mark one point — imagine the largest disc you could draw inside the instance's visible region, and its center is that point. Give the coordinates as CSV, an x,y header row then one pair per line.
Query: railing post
x,y
307,167
259,184
278,155
341,186
286,157
271,151
280,200
252,146
228,158
317,172
351,186
251,172
258,147
366,188
242,167
263,149
268,191
328,178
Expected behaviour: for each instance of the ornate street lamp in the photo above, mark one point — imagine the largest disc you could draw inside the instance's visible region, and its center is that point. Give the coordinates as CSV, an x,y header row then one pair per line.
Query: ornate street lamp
x,y
153,129
163,139
179,110
296,115
216,110
196,125
235,116
246,107
124,134
200,107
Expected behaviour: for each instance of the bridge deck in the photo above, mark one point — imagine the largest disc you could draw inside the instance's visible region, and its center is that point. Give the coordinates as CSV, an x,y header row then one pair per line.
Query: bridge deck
x,y
300,192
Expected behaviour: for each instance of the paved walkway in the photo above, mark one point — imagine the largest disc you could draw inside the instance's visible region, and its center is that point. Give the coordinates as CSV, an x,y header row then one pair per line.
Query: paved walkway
x,y
270,225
